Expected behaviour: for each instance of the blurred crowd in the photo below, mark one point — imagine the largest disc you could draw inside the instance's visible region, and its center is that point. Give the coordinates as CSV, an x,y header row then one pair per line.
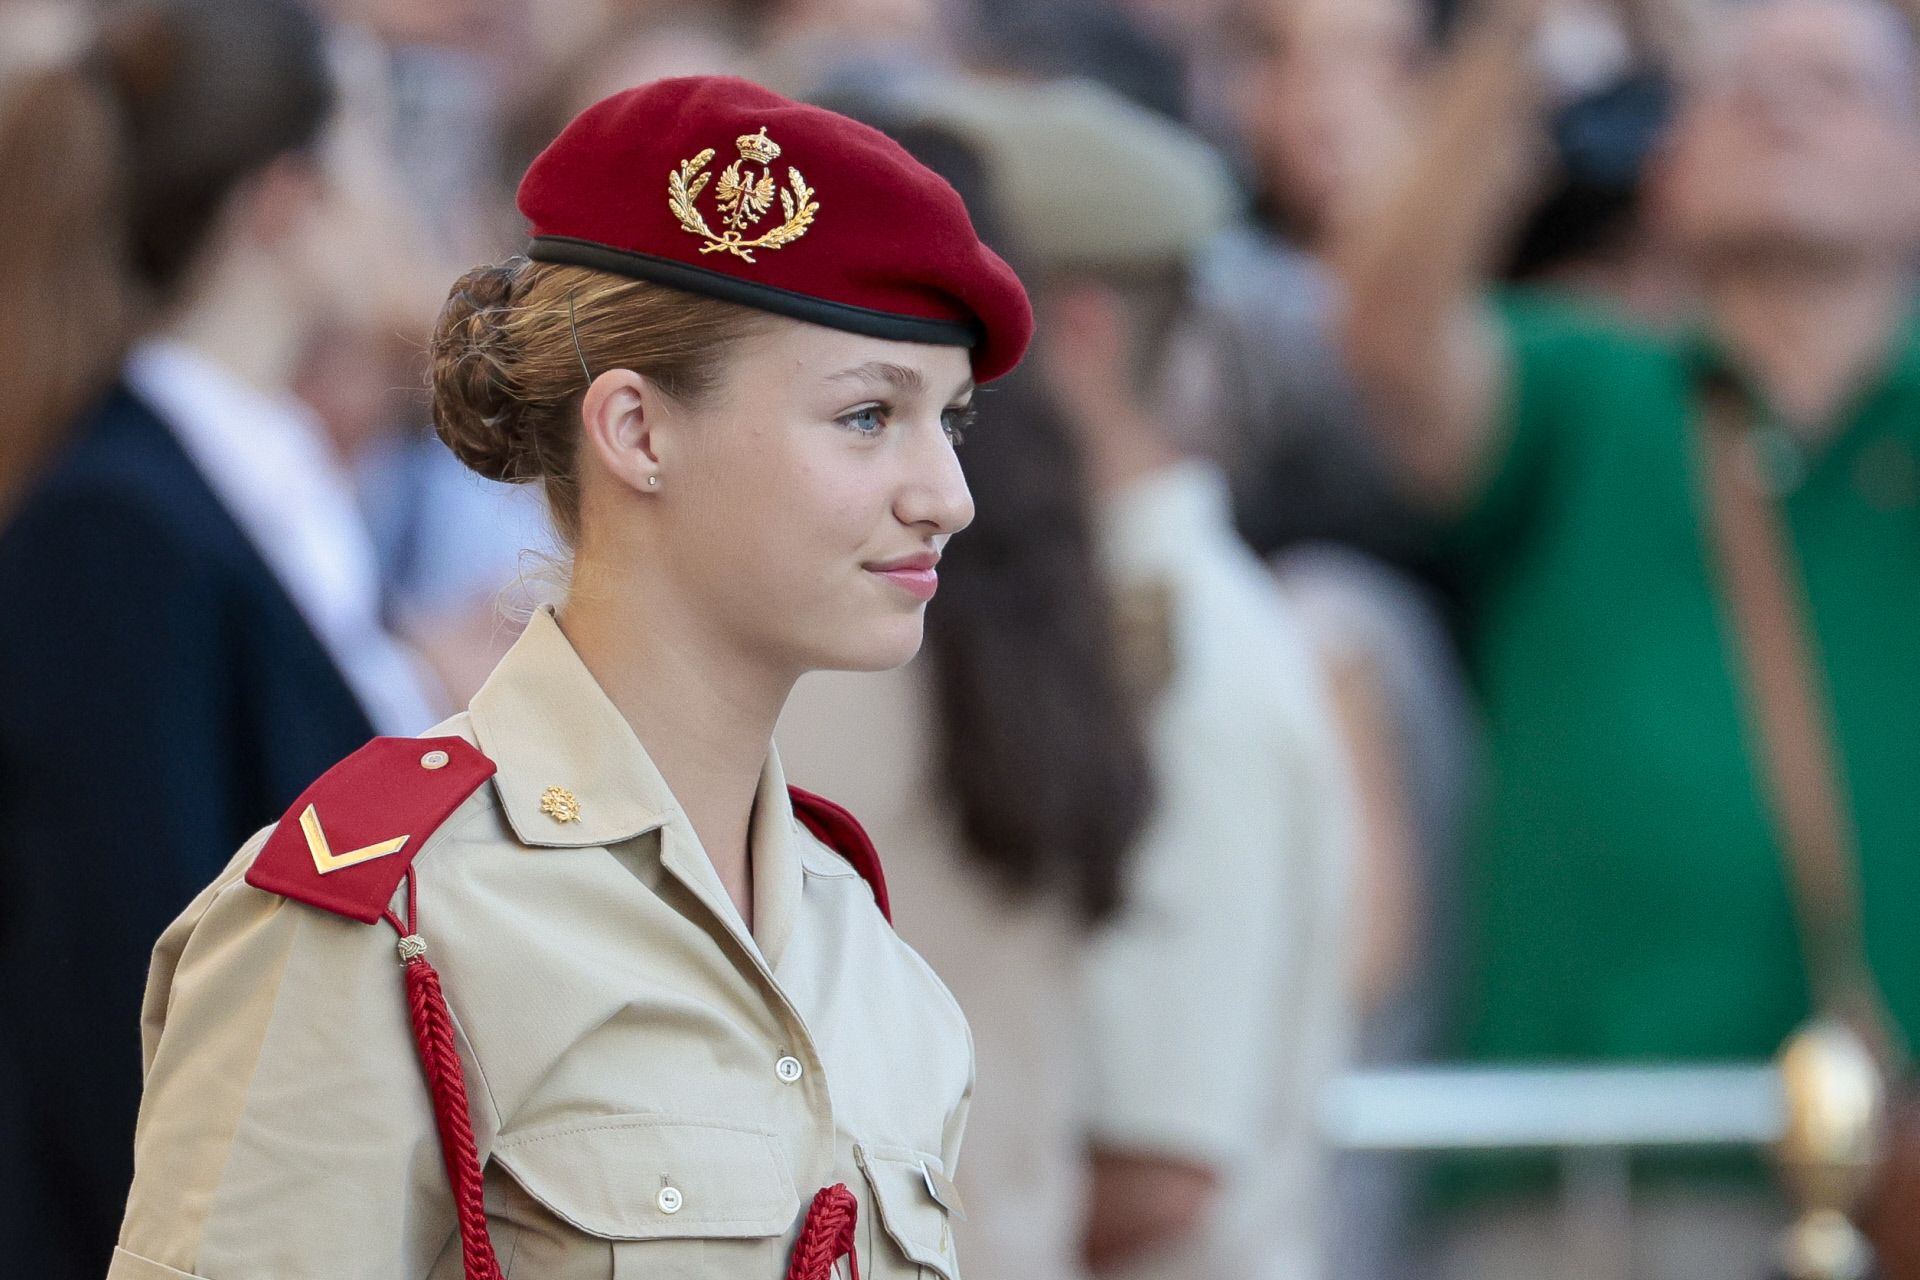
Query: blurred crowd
x,y
1453,549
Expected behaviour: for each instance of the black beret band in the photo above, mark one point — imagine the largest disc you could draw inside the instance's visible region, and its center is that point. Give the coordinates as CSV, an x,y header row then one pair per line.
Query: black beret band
x,y
751,293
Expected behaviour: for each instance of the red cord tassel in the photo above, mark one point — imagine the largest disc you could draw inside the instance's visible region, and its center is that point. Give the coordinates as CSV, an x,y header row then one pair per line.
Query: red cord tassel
x,y
433,1029
827,1236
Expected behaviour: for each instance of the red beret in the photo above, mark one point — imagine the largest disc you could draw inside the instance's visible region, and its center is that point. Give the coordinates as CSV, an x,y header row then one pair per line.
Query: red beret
x,y
715,185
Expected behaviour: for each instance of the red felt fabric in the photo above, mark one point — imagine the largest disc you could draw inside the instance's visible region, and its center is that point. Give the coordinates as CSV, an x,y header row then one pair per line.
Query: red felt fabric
x,y
889,236
380,792
841,832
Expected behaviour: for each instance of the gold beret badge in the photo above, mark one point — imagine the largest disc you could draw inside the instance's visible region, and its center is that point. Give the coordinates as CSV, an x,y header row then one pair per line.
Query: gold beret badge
x,y
741,199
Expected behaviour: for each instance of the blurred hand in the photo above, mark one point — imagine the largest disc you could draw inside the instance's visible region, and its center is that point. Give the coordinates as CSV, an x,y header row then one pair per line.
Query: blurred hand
x,y
1139,1203
1083,352
1086,349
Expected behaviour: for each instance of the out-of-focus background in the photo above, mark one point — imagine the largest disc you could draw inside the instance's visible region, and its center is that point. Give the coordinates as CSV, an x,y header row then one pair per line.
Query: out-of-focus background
x,y
1346,777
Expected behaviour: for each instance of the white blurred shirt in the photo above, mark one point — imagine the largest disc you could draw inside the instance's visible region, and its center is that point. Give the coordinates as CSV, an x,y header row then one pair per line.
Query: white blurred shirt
x,y
1218,1004
268,460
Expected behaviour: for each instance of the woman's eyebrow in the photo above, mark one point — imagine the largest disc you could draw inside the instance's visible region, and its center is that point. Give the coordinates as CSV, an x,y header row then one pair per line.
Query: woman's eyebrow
x,y
898,375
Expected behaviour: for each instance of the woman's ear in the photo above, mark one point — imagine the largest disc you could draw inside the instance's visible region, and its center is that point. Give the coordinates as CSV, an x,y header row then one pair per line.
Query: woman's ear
x,y
621,416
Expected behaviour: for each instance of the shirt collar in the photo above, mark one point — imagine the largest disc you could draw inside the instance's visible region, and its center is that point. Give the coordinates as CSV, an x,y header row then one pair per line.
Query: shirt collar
x,y
777,877
570,772
562,750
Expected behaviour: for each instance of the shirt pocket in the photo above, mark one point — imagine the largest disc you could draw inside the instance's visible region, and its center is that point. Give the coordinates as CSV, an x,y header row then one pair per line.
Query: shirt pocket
x,y
911,1217
660,1197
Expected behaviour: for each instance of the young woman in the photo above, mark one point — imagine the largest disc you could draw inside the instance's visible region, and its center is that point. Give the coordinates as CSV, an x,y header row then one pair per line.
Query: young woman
x,y
666,1028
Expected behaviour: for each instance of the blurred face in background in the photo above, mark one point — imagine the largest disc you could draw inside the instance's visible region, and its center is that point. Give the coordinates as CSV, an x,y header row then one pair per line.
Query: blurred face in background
x,y
1322,91
1800,136
359,265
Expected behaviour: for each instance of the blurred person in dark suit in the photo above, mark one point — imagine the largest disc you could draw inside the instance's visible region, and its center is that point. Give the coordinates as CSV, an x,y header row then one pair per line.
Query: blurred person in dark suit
x,y
192,630
1628,896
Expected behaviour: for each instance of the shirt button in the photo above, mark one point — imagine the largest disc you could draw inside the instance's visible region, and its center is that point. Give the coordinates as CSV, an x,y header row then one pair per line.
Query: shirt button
x,y
670,1200
788,1069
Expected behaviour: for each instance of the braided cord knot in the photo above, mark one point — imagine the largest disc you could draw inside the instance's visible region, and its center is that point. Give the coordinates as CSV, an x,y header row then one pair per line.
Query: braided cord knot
x,y
827,1236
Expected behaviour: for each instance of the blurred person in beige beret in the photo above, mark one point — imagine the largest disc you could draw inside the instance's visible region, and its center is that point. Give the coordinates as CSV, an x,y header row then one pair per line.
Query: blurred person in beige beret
x,y
1216,1003
1005,772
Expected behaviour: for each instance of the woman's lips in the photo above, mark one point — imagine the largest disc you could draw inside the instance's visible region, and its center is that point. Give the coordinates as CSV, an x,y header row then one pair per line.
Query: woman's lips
x,y
918,583
913,574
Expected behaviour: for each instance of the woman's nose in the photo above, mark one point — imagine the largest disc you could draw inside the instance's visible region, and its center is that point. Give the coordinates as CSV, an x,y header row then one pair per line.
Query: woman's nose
x,y
935,493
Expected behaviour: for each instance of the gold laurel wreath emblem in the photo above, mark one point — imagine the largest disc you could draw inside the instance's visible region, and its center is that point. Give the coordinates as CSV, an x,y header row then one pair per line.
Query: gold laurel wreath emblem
x,y
742,200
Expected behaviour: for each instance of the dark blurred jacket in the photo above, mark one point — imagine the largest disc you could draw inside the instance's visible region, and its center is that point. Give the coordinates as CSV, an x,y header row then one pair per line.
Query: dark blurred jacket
x,y
161,698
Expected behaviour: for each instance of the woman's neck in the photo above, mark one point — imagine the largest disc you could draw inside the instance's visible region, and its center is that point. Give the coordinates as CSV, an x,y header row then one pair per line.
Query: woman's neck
x,y
704,712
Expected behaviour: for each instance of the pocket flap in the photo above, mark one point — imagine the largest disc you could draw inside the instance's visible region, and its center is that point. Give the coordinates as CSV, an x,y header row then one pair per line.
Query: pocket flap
x,y
645,1177
909,1209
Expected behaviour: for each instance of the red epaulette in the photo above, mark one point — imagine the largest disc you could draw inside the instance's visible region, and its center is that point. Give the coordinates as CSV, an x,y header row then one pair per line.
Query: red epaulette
x,y
841,832
344,847
349,839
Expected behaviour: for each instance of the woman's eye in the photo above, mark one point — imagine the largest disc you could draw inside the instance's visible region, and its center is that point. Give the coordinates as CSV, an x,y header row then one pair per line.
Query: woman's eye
x,y
865,422
956,422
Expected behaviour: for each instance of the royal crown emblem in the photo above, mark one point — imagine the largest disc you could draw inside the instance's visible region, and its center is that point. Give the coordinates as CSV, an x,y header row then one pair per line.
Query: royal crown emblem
x,y
741,199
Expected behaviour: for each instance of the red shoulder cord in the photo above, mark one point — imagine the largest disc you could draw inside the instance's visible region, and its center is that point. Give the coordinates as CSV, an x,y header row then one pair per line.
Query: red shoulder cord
x,y
825,1237
433,1032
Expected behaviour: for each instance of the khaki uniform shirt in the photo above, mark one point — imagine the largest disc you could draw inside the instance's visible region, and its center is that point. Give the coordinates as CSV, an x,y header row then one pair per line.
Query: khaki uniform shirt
x,y
656,1092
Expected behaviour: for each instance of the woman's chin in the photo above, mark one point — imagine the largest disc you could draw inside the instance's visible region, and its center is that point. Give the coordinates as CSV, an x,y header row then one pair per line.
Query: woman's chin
x,y
875,646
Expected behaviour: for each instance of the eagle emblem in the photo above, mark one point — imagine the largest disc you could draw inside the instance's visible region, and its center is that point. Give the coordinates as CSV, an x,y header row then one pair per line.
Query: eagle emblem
x,y
742,199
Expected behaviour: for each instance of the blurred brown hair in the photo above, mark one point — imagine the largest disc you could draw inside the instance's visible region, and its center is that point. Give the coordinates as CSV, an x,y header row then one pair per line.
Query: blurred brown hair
x,y
62,239
120,152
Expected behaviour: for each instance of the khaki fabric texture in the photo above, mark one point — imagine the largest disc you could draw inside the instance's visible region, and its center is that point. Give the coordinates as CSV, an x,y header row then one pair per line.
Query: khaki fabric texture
x,y
623,1035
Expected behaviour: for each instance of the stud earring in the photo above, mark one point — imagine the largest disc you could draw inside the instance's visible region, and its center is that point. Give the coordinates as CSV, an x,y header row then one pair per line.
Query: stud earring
x,y
653,482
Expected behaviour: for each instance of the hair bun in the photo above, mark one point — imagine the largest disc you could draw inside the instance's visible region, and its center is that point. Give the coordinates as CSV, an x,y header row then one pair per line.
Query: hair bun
x,y
476,409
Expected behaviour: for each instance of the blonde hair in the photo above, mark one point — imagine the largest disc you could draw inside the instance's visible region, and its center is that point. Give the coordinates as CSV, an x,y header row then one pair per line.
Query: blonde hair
x,y
518,342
